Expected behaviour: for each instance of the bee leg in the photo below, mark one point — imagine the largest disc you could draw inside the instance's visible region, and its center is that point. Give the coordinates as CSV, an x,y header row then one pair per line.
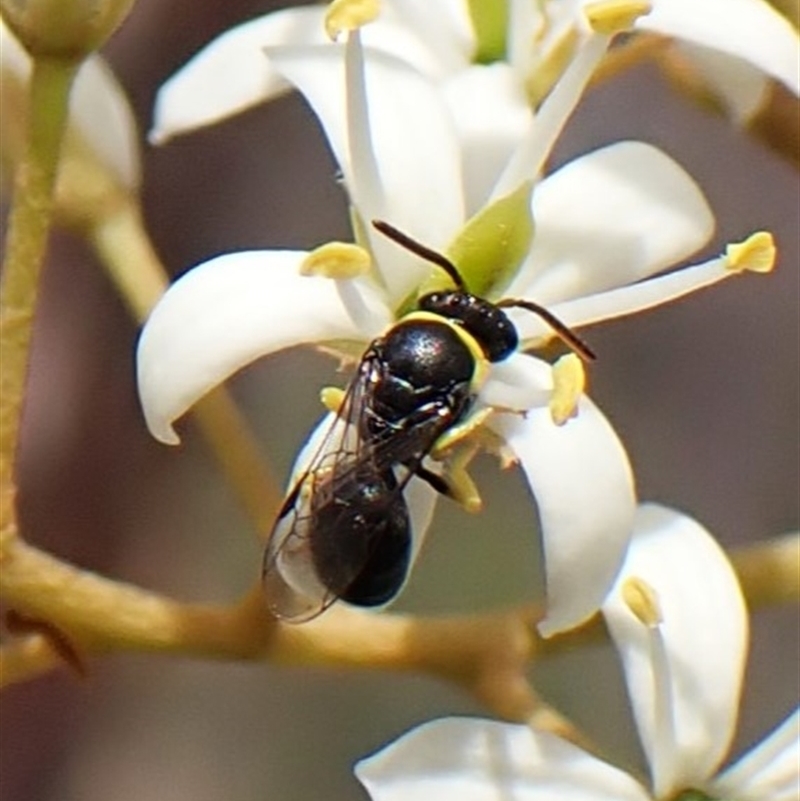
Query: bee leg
x,y
464,490
457,485
436,482
459,432
332,398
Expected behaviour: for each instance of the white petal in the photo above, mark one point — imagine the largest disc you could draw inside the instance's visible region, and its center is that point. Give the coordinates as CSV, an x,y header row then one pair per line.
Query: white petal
x,y
221,316
443,28
13,57
469,759
232,73
749,29
610,218
769,770
492,116
99,110
740,86
415,145
421,499
704,634
581,479
519,383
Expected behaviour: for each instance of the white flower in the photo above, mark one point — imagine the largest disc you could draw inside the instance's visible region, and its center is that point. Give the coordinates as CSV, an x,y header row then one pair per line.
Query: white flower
x,y
737,43
100,117
678,619
603,223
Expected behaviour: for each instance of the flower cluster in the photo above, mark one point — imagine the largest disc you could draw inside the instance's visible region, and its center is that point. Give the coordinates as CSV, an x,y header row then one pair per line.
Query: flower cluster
x,y
453,152
605,224
679,623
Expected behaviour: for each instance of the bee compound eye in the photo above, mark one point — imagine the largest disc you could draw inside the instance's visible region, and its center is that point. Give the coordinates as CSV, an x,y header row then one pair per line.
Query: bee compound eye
x,y
485,321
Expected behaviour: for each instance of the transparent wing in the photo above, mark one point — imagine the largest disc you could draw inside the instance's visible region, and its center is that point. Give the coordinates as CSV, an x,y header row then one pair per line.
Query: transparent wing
x,y
292,586
346,470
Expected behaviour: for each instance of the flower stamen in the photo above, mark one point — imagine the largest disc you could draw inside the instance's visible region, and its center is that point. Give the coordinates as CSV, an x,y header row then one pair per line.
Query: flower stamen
x,y
463,489
530,154
332,398
337,260
349,15
615,16
642,599
549,69
569,381
366,190
350,266
756,253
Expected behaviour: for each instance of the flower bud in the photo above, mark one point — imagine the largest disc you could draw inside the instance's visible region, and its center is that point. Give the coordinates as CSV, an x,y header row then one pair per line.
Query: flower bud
x,y
63,30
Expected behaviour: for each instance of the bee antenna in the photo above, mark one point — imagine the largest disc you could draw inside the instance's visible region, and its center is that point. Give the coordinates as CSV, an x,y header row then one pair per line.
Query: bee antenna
x,y
564,332
423,252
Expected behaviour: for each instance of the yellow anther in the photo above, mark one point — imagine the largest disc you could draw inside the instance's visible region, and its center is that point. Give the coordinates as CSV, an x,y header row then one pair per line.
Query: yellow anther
x,y
642,599
757,253
349,15
337,260
615,16
332,398
569,380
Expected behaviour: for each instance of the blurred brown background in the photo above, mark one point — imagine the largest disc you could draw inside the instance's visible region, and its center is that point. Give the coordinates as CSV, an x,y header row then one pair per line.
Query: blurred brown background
x,y
704,393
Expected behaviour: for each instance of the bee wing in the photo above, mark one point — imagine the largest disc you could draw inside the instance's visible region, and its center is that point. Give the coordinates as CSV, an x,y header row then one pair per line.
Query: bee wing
x,y
293,589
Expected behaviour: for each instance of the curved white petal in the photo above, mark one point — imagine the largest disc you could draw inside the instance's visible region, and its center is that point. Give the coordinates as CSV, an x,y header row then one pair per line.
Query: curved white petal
x,y
13,57
609,218
421,499
221,316
771,769
443,28
414,142
232,73
519,383
99,108
742,87
581,479
470,759
701,647
492,115
99,111
749,29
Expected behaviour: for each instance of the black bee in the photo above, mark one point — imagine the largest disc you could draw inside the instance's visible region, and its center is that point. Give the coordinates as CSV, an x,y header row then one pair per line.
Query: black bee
x,y
343,531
